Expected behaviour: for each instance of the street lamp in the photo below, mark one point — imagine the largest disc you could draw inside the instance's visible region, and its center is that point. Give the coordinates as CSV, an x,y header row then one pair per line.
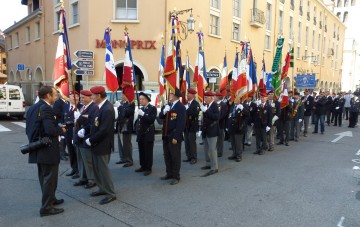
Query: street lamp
x,y
186,27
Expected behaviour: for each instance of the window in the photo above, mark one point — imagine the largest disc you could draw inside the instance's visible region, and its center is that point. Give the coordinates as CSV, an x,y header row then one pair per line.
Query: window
x,y
353,2
301,8
214,25
307,36
281,19
346,3
339,4
338,14
75,12
292,5
57,20
236,31
298,53
10,42
299,32
336,53
27,34
267,41
313,39
126,9
215,3
291,28
3,93
319,39
37,30
14,94
30,8
268,16
324,46
237,8
16,41
305,55
345,17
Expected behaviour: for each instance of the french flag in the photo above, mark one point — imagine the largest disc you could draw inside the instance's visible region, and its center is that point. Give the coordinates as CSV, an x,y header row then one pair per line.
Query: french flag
x,y
128,77
284,96
161,72
185,81
224,78
262,81
110,73
251,74
200,69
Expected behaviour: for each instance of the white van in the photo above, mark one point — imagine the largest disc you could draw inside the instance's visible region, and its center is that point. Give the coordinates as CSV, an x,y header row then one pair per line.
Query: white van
x,y
12,102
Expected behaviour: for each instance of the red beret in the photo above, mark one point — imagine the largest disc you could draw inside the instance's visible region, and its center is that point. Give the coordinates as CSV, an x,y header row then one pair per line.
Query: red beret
x,y
191,91
209,93
263,94
270,92
218,94
74,93
97,90
85,92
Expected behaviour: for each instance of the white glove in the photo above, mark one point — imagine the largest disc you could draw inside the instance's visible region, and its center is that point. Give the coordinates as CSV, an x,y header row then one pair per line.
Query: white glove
x,y
140,112
300,120
267,128
252,124
291,100
76,115
88,141
240,106
62,137
275,118
72,141
81,133
198,134
166,109
187,106
337,108
258,102
304,110
203,108
117,104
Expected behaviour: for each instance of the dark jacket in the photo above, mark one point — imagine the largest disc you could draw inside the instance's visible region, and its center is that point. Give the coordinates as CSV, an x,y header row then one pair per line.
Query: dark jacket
x,y
297,110
329,103
176,122
85,120
238,119
320,106
338,105
211,121
126,117
145,124
223,110
263,116
252,111
192,116
42,116
69,120
58,108
102,130
308,105
275,107
354,105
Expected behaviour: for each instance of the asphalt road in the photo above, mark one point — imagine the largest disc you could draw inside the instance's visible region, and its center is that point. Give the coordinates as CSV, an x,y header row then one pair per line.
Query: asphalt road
x,y
309,183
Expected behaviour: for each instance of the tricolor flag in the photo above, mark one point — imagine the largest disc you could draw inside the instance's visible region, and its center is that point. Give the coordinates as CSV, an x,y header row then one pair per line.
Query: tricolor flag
x,y
242,80
161,72
62,67
110,73
185,80
128,77
262,82
286,66
224,78
170,64
200,69
284,96
179,66
234,77
251,74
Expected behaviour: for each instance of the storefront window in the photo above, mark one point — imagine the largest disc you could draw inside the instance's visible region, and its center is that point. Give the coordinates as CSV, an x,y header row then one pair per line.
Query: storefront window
x,y
126,9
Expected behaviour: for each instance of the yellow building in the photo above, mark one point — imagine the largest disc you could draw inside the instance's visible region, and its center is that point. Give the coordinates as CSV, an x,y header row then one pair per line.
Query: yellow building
x,y
315,32
3,71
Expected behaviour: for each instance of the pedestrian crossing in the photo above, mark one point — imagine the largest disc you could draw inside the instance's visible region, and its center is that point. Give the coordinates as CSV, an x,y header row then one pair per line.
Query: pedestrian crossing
x,y
11,126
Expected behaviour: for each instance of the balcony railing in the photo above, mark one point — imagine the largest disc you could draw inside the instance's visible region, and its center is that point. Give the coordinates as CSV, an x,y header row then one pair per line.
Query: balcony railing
x,y
257,18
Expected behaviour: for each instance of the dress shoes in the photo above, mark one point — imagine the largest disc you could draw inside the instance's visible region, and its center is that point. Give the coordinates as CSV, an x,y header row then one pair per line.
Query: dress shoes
x,y
286,144
206,167
90,185
139,170
279,143
75,176
120,162
247,144
305,135
80,183
186,160
256,152
174,181
211,172
97,193
238,159
147,172
166,177
52,211
314,132
72,173
58,202
219,155
128,165
193,161
271,149
106,200
261,153
231,157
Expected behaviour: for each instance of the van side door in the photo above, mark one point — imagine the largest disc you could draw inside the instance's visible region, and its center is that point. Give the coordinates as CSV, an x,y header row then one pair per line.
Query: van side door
x,y
3,99
15,102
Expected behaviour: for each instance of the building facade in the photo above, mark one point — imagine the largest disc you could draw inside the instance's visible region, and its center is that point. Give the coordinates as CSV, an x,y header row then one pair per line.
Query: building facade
x,y
316,34
3,67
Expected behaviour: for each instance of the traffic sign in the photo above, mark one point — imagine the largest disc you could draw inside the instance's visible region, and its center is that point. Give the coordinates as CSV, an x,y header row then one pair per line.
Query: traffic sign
x,y
212,74
21,67
84,54
84,72
86,64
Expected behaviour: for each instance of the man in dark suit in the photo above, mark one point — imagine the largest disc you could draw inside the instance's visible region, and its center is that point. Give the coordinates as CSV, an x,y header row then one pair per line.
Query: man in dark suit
x,y
146,133
308,108
251,106
296,116
354,111
263,123
101,142
81,132
59,107
276,111
328,107
192,125
174,117
223,110
338,106
237,122
41,122
126,111
284,124
320,111
210,132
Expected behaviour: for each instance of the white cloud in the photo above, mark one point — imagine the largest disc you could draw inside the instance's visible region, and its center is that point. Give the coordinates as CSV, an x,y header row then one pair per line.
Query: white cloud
x,y
11,11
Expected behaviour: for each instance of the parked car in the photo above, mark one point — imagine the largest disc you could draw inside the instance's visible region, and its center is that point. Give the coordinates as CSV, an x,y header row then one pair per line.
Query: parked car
x,y
12,102
155,101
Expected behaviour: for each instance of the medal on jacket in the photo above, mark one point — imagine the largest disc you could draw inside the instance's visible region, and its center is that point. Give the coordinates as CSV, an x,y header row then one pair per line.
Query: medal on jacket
x,y
96,122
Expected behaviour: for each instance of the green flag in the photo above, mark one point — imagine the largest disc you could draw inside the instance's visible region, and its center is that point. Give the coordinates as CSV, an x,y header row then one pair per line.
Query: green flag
x,y
276,68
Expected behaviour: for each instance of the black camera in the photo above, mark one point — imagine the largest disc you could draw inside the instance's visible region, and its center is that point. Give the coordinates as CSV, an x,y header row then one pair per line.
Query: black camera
x,y
43,142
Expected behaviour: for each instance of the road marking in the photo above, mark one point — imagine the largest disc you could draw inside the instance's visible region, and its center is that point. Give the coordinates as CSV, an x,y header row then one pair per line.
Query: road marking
x,y
4,129
21,124
356,160
341,222
341,135
358,153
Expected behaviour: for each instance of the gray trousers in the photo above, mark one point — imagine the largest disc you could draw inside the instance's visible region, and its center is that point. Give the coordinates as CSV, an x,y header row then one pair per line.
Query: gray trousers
x,y
294,129
80,163
211,152
190,145
127,148
86,156
120,146
220,142
248,135
237,144
271,137
306,124
102,174
48,178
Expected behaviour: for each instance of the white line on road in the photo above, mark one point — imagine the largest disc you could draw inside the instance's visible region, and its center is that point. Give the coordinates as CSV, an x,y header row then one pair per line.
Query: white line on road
x,y
356,160
4,129
341,222
341,135
21,124
358,153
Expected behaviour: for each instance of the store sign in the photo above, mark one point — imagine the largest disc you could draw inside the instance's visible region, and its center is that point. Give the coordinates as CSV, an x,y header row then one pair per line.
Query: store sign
x,y
135,44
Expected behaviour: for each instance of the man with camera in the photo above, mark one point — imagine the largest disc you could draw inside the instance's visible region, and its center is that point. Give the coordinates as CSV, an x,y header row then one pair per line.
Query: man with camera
x,y
43,133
